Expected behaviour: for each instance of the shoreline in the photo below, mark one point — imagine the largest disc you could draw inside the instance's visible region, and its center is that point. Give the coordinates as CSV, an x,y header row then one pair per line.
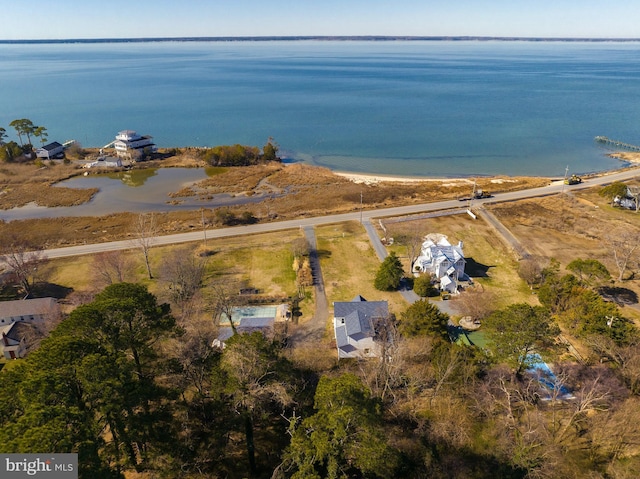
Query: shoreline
x,y
633,158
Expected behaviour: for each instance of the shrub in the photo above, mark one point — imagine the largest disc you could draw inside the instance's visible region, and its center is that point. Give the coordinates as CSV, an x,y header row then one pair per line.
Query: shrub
x,y
424,287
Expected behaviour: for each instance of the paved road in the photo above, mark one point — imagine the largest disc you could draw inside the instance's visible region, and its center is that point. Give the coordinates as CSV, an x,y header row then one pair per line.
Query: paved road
x,y
408,294
366,215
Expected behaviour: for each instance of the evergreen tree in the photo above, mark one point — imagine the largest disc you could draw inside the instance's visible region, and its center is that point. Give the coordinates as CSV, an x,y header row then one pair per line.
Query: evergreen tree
x,y
514,332
345,436
389,274
423,318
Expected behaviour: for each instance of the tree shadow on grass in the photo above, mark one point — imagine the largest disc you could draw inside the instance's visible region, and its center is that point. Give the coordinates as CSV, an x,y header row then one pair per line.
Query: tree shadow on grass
x,y
323,253
475,269
50,290
620,296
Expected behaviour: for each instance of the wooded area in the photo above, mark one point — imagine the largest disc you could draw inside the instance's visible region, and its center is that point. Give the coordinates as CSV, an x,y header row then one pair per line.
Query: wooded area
x,y
132,389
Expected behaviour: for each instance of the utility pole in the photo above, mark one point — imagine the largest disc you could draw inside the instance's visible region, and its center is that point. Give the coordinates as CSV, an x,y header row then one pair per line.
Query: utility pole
x,y
564,182
360,207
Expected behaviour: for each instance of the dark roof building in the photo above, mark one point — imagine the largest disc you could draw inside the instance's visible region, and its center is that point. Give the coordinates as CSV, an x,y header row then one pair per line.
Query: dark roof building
x,y
52,150
354,326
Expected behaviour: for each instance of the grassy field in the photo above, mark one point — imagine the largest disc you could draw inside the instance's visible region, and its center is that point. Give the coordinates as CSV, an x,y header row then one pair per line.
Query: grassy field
x,y
349,265
261,261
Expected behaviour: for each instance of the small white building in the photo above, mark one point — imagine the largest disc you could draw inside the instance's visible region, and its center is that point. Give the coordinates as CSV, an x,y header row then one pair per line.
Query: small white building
x,y
443,260
51,151
130,144
354,326
104,162
13,340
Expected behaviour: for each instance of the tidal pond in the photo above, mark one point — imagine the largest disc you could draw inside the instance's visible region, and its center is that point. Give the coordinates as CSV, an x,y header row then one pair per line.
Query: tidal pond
x,y
135,191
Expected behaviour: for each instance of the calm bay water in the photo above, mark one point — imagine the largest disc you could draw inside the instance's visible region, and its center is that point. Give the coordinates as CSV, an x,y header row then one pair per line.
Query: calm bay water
x,y
405,108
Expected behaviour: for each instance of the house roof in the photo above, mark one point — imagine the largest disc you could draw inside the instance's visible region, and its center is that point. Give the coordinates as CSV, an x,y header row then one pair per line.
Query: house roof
x,y
256,323
353,322
357,323
372,309
26,307
15,331
437,252
341,337
51,146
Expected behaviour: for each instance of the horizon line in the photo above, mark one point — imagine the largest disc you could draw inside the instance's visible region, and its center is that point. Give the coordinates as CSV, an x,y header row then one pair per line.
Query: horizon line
x,y
319,37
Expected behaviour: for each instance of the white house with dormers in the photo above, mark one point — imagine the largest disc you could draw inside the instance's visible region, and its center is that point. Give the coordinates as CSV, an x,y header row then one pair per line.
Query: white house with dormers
x,y
129,143
443,260
354,326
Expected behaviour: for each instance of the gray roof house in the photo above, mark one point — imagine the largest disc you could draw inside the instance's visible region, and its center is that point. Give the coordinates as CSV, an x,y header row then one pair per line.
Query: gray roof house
x,y
354,327
52,150
28,310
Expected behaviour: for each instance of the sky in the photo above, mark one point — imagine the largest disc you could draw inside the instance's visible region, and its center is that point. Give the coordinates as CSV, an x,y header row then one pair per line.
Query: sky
x,y
74,19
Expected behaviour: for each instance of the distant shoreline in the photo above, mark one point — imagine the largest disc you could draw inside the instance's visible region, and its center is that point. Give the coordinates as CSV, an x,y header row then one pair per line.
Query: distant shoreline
x,y
369,38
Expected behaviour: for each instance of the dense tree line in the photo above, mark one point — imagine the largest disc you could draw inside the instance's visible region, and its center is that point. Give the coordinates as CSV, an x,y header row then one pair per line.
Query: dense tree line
x,y
241,155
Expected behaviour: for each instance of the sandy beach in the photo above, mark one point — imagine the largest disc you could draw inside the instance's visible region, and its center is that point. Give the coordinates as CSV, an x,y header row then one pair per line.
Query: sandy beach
x,y
369,179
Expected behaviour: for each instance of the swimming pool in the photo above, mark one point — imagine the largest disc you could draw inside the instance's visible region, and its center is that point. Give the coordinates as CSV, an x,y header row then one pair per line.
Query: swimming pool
x,y
242,312
543,373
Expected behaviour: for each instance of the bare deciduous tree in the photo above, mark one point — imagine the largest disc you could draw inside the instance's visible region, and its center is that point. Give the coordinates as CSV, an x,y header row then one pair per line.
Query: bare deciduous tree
x,y
476,303
184,272
412,241
24,263
623,243
300,247
617,432
145,230
194,350
112,267
385,376
51,317
530,269
224,301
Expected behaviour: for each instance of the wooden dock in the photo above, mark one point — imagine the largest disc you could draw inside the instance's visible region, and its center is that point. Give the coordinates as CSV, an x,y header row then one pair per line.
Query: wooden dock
x,y
616,143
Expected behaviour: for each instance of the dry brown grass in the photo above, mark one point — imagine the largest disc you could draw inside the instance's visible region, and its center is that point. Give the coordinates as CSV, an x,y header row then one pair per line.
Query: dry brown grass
x,y
568,227
24,183
306,191
565,227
